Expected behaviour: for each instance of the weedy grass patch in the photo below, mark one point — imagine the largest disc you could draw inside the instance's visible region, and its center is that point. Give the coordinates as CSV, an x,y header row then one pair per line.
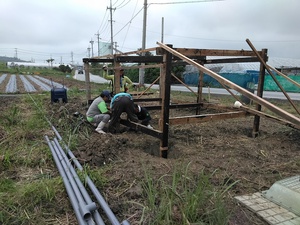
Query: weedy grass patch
x,y
183,198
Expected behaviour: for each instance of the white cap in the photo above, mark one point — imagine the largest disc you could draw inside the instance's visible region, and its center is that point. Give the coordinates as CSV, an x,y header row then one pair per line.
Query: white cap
x,y
237,104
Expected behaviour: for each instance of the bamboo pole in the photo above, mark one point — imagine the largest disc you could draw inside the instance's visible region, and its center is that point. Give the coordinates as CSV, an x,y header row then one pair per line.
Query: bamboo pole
x,y
148,87
271,74
232,85
283,75
183,84
269,117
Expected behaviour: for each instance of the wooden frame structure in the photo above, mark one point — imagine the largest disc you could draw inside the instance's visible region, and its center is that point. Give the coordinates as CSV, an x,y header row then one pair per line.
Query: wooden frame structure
x,y
166,56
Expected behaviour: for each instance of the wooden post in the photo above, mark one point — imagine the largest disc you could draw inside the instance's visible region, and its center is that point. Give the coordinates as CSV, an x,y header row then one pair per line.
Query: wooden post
x,y
117,78
200,86
87,81
260,88
165,106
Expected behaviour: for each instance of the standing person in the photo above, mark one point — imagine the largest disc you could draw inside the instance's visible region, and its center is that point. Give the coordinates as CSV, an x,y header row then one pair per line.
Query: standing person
x,y
125,82
98,112
143,115
121,102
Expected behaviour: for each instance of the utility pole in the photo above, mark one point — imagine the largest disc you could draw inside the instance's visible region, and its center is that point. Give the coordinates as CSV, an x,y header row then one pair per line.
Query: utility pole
x,y
162,29
89,52
92,44
98,42
111,29
16,54
72,58
142,70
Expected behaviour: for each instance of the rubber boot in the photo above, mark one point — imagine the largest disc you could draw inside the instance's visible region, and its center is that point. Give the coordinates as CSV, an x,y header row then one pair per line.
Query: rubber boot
x,y
100,127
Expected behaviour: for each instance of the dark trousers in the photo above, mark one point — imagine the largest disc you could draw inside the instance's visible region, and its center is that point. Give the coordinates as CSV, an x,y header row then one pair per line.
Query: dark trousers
x,y
120,105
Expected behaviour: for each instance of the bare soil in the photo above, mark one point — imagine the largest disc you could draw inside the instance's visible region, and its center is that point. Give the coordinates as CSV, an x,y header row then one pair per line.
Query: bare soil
x,y
224,147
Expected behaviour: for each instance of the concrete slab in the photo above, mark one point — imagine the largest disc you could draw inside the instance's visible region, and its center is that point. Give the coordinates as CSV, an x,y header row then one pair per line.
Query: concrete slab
x,y
270,212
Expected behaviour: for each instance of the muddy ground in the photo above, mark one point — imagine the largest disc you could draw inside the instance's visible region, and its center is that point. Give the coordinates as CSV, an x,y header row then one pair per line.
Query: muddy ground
x,y
224,147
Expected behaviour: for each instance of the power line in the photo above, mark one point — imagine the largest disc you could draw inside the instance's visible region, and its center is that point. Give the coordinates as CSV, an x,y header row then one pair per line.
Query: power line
x,y
166,3
129,21
120,5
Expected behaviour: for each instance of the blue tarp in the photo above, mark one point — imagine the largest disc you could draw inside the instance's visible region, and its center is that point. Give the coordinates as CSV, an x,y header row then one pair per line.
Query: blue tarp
x,y
240,79
243,80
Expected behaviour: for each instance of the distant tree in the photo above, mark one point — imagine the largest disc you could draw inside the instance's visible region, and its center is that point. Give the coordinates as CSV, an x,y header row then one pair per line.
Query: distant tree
x,y
65,69
50,61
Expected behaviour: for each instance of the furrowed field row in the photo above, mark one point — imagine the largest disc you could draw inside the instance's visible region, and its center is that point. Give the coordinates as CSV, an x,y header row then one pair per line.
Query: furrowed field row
x,y
26,83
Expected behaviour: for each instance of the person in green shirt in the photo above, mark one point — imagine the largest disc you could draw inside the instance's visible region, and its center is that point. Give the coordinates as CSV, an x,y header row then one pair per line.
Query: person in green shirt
x,y
98,112
125,82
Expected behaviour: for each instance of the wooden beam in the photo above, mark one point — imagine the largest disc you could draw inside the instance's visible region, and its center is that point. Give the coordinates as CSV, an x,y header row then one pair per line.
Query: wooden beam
x,y
231,60
87,60
209,52
139,66
144,129
206,117
175,106
287,116
146,99
269,117
139,59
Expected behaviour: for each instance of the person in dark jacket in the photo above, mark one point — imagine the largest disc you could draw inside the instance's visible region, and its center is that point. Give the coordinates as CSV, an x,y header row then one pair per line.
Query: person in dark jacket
x,y
121,102
143,115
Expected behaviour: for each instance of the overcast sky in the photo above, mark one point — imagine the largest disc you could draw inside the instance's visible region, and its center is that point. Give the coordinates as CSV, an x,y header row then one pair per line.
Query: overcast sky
x,y
62,29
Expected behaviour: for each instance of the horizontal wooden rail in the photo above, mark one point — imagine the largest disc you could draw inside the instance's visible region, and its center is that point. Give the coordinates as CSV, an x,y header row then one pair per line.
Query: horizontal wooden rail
x,y
206,117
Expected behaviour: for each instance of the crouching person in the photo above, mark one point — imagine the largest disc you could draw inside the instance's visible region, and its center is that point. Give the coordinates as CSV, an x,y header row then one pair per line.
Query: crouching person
x,y
143,115
98,112
121,102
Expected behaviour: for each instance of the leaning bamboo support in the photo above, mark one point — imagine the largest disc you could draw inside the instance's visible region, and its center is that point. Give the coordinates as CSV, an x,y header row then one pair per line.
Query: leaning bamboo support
x,y
272,75
232,85
148,87
184,84
283,75
268,116
230,92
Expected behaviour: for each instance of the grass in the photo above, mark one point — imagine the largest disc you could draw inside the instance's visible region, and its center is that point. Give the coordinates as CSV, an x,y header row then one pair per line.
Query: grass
x,y
31,189
32,192
183,198
26,188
